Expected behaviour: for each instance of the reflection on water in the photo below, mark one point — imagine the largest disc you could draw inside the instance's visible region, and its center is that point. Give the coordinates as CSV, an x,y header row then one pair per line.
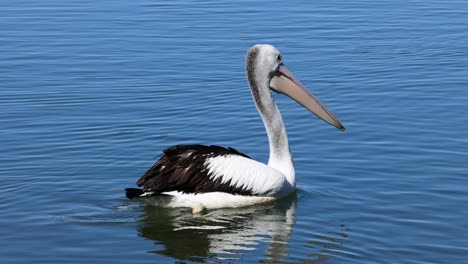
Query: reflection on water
x,y
262,232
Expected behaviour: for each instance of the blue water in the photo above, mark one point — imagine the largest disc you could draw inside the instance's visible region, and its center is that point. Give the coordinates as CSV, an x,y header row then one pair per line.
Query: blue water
x,y
91,92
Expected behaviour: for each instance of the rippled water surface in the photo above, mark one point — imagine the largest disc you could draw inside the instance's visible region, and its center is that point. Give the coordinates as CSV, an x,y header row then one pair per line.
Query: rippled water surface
x,y
92,91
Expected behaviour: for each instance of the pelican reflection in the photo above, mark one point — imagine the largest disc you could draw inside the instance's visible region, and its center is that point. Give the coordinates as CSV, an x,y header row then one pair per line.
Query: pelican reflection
x,y
261,232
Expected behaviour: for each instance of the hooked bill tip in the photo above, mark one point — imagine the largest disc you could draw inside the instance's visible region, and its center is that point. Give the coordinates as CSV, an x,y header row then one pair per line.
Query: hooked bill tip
x,y
341,127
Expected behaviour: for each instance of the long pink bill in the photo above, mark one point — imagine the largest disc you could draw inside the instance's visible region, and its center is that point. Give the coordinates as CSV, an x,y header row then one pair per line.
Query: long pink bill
x,y
284,82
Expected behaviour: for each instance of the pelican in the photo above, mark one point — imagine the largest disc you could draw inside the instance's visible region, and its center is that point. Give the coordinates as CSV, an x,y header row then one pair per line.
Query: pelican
x,y
210,177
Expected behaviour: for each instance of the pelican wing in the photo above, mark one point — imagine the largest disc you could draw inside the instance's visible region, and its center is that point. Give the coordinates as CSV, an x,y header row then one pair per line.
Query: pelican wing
x,y
201,169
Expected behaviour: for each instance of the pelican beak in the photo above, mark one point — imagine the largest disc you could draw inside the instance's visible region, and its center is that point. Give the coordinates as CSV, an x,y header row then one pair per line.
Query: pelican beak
x,y
285,83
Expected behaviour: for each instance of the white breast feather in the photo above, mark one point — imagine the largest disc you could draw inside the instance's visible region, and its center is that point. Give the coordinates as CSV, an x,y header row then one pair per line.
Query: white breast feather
x,y
248,174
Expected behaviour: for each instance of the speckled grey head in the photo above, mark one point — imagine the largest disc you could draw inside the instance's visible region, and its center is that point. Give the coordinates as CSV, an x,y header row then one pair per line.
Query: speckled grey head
x,y
266,56
266,71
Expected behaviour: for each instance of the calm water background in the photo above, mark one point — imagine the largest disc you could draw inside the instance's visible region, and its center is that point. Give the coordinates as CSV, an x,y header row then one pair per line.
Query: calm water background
x,y
92,91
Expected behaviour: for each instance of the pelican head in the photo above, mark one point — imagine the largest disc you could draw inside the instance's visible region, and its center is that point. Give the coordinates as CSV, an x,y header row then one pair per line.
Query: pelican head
x,y
266,70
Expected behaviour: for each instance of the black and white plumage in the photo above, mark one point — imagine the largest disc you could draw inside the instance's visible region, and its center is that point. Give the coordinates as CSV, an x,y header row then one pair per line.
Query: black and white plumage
x,y
184,168
211,177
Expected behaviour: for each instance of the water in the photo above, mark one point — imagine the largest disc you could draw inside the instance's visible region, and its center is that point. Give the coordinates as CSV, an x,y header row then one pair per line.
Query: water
x,y
91,92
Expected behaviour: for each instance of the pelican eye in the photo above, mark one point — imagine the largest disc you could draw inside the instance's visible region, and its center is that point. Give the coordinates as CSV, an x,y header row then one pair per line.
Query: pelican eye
x,y
278,58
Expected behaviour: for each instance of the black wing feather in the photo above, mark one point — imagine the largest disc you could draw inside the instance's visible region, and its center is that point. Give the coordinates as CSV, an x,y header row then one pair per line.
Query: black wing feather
x,y
182,168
